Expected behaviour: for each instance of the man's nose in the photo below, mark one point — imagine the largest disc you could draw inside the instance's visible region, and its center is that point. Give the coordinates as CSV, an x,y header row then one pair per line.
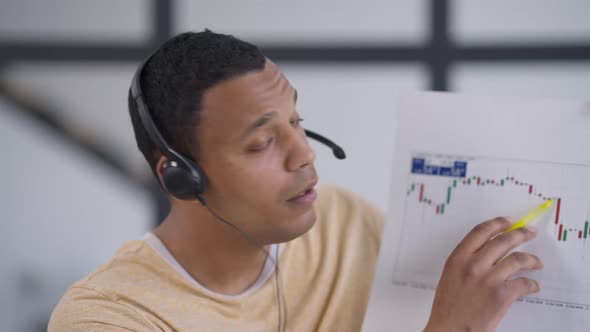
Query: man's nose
x,y
301,154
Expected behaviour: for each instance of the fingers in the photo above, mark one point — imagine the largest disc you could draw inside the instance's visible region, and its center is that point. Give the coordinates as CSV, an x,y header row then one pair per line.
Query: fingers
x,y
480,234
514,263
520,287
501,245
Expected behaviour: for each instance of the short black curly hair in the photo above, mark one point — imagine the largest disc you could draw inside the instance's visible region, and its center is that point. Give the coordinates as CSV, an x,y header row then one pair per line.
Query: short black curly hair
x,y
174,80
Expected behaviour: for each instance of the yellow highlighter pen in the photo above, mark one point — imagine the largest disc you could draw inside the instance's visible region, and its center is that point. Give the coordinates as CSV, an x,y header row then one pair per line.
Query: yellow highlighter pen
x,y
534,214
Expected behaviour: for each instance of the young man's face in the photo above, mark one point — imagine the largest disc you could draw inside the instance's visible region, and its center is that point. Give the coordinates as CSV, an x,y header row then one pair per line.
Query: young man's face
x,y
257,157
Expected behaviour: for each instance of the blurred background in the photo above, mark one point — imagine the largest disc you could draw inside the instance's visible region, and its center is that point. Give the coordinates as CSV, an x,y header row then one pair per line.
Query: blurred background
x,y
74,185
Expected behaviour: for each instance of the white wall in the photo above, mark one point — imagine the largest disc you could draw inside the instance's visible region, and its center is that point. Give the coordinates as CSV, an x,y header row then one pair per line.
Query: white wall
x,y
569,80
84,21
89,98
522,21
308,21
62,215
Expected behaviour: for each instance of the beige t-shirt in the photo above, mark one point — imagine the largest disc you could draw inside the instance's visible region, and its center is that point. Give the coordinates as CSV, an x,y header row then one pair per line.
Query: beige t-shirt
x,y
326,279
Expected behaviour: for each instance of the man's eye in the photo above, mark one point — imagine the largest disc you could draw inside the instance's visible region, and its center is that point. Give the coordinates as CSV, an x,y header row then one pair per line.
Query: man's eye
x,y
296,122
262,147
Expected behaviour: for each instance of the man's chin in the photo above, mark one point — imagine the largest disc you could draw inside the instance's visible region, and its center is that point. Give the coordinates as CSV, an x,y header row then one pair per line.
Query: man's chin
x,y
297,227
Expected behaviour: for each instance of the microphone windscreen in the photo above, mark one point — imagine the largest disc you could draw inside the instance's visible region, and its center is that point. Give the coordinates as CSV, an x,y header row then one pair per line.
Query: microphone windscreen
x,y
338,152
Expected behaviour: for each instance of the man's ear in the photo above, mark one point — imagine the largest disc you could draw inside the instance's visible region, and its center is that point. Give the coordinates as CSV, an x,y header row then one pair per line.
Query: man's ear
x,y
160,169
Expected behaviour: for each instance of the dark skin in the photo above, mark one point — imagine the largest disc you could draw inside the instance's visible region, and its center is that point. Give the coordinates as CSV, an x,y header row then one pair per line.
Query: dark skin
x,y
477,285
257,159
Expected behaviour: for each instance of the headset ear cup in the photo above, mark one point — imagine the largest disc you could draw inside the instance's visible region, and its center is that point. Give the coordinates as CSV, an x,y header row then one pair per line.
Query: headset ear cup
x,y
203,181
180,182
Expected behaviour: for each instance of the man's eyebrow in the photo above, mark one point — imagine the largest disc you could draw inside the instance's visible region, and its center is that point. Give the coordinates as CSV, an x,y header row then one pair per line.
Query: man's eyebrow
x,y
265,118
259,123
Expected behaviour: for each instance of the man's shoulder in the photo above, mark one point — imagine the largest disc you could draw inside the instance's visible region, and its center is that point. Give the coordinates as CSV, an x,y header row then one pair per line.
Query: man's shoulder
x,y
343,211
335,201
132,265
130,261
100,300
83,309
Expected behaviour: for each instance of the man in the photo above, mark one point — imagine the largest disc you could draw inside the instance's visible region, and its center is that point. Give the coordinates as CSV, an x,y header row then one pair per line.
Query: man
x,y
259,249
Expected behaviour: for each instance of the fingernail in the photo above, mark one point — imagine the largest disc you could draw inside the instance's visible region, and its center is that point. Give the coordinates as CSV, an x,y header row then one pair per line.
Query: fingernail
x,y
532,229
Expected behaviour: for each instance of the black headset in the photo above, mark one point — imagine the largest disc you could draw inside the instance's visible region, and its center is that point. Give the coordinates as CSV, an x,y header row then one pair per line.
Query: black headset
x,y
182,177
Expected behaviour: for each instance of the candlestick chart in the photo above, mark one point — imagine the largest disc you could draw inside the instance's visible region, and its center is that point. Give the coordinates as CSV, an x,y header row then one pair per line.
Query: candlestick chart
x,y
446,196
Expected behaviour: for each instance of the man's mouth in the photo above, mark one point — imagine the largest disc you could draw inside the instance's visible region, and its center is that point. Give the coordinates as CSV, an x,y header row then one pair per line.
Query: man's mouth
x,y
306,196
